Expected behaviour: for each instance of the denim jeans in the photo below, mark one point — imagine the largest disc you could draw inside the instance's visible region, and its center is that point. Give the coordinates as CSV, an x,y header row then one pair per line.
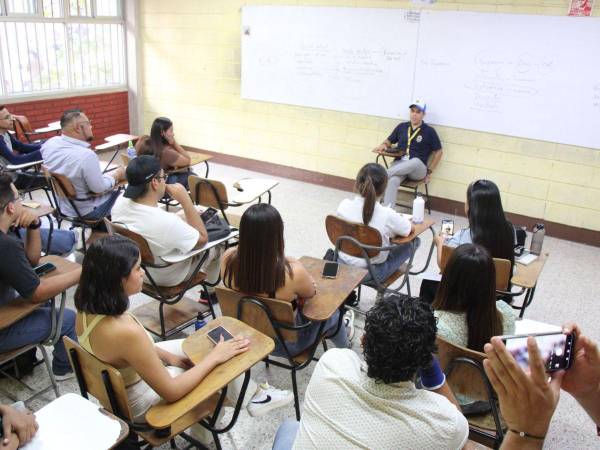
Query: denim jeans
x,y
308,335
34,328
180,177
286,435
103,209
63,241
395,259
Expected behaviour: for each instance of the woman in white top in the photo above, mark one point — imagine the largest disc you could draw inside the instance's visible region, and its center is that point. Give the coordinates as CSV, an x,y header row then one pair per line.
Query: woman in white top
x,y
465,305
365,208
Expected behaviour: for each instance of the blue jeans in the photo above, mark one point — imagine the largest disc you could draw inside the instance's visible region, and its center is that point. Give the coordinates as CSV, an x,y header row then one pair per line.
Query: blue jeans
x,y
395,259
103,209
63,241
286,435
34,328
307,336
180,177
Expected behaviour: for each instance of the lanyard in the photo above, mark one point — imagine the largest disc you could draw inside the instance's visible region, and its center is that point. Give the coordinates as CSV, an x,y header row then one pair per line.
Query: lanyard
x,y
410,138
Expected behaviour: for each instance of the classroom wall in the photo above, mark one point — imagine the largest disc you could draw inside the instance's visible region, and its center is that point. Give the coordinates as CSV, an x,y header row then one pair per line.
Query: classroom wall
x,y
108,112
190,57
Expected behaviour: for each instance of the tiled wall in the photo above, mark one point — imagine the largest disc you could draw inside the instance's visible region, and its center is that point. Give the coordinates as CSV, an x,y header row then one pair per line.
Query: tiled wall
x,y
191,73
108,112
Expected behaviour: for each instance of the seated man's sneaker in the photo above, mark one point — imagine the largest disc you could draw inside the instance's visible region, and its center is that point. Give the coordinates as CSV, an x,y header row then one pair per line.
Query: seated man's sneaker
x,y
268,398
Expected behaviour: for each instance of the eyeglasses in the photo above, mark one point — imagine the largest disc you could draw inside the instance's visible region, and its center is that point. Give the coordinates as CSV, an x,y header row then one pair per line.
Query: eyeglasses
x,y
20,197
7,117
161,177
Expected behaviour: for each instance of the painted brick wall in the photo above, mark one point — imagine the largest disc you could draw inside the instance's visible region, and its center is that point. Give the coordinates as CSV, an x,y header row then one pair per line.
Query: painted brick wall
x,y
191,73
109,112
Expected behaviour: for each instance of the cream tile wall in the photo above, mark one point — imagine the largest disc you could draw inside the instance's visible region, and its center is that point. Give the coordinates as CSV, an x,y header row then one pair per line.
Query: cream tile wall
x,y
191,73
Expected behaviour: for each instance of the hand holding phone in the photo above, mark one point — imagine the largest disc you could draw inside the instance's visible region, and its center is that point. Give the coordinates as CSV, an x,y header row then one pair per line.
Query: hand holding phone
x,y
556,349
448,227
43,269
215,334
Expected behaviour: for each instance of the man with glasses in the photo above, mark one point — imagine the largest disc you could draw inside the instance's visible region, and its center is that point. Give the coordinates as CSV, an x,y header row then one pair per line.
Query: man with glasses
x,y
18,277
70,155
13,151
165,231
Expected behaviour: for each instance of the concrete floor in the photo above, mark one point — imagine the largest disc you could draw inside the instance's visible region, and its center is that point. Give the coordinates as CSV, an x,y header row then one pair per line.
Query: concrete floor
x,y
566,291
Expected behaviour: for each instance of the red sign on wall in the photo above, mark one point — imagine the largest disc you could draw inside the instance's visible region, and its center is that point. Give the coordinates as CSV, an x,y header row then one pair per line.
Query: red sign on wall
x,y
581,7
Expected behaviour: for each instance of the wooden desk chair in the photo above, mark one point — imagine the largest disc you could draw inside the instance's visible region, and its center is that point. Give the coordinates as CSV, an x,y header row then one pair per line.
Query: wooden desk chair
x,y
465,375
503,271
212,194
105,383
24,131
363,241
276,319
14,311
408,185
175,311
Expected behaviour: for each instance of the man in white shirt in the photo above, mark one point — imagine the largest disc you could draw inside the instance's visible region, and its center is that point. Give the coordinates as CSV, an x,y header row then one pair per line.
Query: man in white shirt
x,y
164,231
350,404
70,155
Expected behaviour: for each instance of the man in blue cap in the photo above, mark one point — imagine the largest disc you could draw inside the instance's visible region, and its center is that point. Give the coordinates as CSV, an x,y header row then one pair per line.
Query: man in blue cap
x,y
419,141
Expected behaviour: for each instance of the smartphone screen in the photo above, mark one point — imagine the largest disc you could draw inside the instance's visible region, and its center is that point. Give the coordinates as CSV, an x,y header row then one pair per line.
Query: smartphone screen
x,y
43,269
330,270
208,214
556,349
448,227
215,335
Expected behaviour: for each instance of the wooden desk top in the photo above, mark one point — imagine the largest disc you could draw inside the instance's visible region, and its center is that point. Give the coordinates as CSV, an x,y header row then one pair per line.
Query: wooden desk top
x,y
527,276
116,140
53,126
419,228
396,154
18,308
40,211
252,188
197,346
197,158
331,292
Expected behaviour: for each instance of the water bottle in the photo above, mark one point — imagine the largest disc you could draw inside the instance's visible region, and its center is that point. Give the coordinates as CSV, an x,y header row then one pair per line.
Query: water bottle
x,y
199,323
537,238
131,151
418,212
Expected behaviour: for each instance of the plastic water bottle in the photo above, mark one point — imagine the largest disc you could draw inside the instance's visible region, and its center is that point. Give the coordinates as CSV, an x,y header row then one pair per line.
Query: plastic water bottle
x,y
131,151
418,212
199,323
537,238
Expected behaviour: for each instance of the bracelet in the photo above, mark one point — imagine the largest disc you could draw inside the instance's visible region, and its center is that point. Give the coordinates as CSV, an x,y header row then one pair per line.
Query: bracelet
x,y
35,226
527,435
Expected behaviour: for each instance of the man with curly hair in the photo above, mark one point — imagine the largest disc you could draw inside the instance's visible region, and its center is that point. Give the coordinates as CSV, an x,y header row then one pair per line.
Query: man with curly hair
x,y
352,404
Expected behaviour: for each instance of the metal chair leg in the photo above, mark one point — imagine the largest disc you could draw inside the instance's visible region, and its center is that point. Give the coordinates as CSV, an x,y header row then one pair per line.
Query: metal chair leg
x,y
49,369
296,399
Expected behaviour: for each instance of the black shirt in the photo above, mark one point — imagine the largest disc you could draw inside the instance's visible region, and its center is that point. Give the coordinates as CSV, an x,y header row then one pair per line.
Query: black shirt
x,y
421,146
16,273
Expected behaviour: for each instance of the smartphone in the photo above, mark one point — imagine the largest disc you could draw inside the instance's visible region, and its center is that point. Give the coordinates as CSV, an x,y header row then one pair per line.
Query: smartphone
x,y
330,270
215,335
208,214
557,349
43,269
448,226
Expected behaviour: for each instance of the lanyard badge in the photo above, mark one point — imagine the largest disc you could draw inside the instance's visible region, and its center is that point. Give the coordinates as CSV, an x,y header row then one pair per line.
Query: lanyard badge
x,y
410,138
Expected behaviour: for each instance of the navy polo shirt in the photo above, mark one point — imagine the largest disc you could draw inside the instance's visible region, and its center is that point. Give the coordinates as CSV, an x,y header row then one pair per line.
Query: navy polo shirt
x,y
421,146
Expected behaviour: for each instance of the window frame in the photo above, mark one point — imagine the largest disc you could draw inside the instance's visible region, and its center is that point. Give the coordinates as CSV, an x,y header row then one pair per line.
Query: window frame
x,y
66,20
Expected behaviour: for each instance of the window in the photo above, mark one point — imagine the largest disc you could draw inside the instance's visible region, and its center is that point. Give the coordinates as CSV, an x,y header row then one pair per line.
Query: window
x,y
53,45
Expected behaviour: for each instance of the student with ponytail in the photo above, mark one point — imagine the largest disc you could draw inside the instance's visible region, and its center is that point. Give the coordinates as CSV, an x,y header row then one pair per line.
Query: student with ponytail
x,y
365,208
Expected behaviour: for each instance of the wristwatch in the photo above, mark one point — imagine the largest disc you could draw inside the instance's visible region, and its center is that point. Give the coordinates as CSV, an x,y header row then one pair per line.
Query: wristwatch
x,y
35,226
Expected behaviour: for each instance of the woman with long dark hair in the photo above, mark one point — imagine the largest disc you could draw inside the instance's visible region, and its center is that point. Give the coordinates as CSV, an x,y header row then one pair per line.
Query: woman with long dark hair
x,y
488,227
259,266
162,144
465,304
111,273
365,208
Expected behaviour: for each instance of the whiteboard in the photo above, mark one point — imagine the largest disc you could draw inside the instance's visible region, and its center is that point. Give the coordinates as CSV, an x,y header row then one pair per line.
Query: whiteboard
x,y
357,60
529,76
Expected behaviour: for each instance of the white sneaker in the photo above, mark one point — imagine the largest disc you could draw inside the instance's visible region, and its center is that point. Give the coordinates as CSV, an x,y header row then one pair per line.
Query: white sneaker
x,y
349,324
268,398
